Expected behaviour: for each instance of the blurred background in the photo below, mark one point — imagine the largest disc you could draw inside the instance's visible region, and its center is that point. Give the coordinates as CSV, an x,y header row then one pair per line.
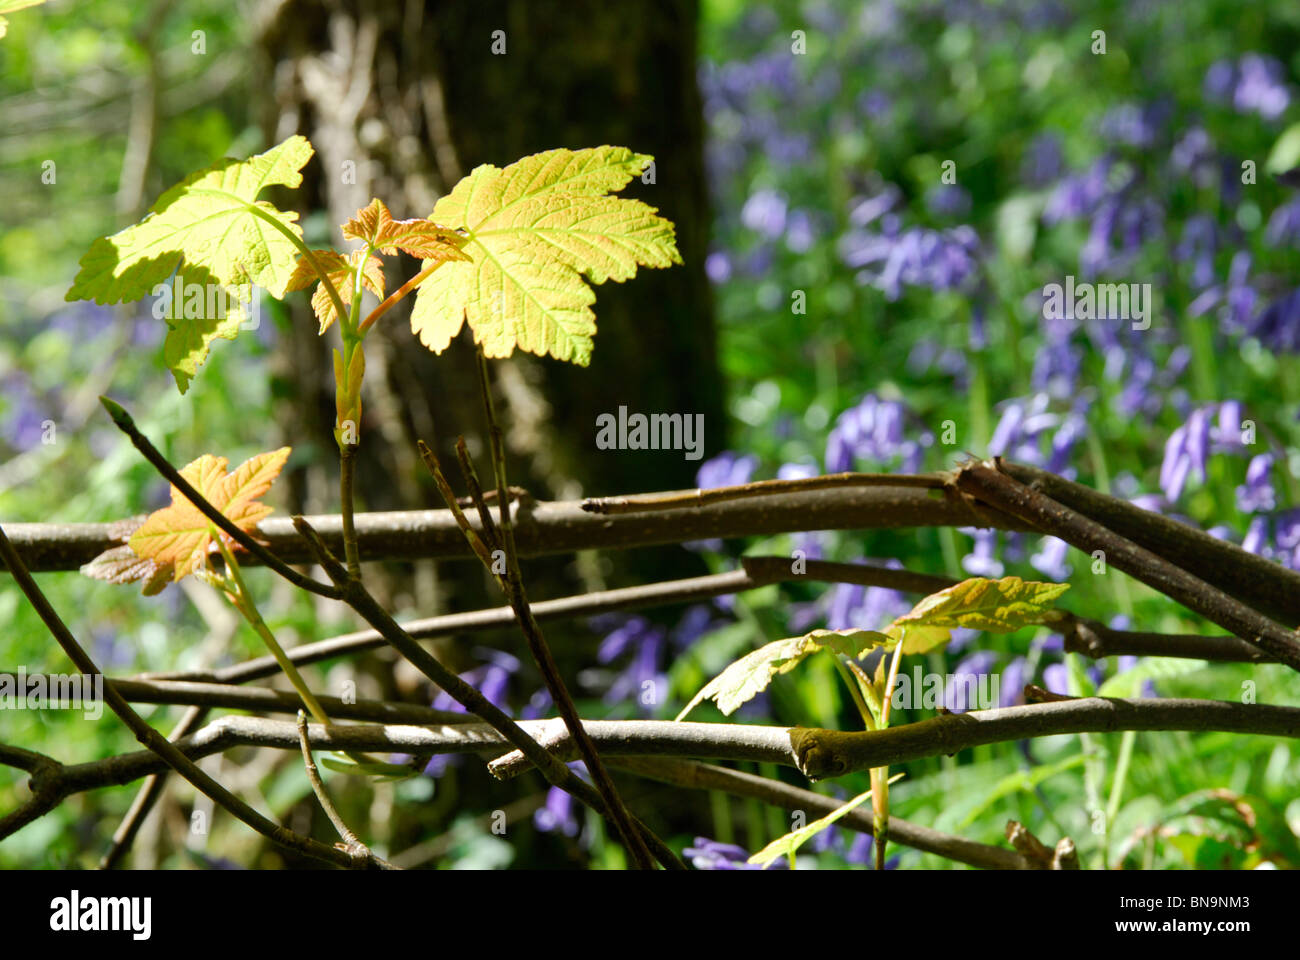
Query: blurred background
x,y
870,198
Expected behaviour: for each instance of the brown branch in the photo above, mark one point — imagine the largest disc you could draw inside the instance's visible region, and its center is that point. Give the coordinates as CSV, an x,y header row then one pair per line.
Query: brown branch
x,y
513,585
987,481
831,753
1263,584
546,528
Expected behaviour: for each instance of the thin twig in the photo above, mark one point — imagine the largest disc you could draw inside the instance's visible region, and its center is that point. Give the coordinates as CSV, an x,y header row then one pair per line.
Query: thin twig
x,y
127,425
347,479
760,488
146,734
351,842
616,811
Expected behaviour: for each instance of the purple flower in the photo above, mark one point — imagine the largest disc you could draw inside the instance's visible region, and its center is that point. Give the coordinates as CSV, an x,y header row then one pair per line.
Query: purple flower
x,y
1011,689
1056,678
1257,494
718,267
948,200
1284,225
982,560
765,213
709,854
957,694
1188,448
1278,325
872,430
727,469
1043,160
557,815
1079,194
1255,83
1050,558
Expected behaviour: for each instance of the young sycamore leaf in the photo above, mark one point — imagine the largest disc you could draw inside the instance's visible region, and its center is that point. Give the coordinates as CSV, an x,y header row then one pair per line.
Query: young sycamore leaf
x,y
180,536
998,606
121,564
214,229
750,675
339,270
537,233
375,226
792,841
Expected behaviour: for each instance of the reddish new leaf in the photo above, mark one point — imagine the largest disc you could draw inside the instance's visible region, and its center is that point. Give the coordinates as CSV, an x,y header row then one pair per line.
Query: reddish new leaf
x,y
420,237
339,270
180,537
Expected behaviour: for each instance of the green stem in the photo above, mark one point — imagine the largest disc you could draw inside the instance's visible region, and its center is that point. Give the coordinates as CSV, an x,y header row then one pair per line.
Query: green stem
x,y
243,602
306,254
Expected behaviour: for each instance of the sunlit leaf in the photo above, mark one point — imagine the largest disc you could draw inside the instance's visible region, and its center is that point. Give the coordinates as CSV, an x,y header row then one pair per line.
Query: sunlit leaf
x,y
788,845
211,225
538,232
750,675
180,536
375,226
339,270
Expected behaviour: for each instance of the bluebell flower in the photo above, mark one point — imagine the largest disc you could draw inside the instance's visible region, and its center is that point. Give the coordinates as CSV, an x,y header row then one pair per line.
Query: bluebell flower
x,y
1011,688
1050,558
717,265
1188,448
1043,160
948,200
1056,678
1284,225
1236,298
708,854
982,560
871,430
558,814
765,213
965,680
1257,494
1078,195
727,469
1278,325
1199,243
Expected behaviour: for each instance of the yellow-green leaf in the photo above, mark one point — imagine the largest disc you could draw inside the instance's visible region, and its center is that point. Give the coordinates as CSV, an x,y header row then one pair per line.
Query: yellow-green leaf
x,y
9,6
751,674
538,232
788,845
998,606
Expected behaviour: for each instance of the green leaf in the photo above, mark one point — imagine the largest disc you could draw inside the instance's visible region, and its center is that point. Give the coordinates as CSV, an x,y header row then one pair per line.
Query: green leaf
x,y
9,6
791,842
750,675
999,606
214,229
539,232
1129,683
386,772
1285,154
